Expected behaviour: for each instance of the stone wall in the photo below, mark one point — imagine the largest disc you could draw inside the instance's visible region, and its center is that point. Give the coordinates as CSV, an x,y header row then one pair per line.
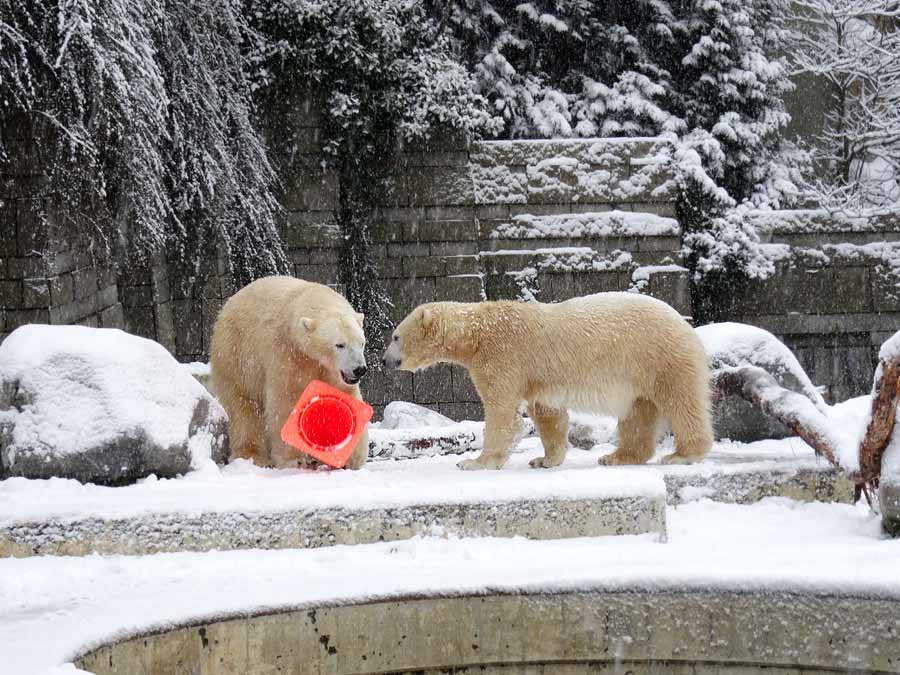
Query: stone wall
x,y
835,296
503,220
162,302
45,276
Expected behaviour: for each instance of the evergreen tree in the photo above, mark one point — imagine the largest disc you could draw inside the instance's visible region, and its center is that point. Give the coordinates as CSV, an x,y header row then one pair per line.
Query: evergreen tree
x,y
633,67
385,77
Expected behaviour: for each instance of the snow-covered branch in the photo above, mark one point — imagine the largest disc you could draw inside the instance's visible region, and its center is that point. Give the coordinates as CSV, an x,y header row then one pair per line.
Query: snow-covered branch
x,y
797,412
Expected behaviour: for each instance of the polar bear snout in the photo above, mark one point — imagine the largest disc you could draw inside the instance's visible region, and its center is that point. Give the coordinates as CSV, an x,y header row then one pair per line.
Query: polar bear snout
x,y
392,355
355,375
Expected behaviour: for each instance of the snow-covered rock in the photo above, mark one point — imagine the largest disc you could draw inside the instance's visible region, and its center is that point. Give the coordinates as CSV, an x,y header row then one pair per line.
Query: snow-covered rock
x,y
405,415
103,406
200,371
731,345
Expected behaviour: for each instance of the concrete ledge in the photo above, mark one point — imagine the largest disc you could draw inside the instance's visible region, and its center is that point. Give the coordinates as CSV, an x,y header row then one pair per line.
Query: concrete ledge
x,y
243,507
578,632
800,481
545,518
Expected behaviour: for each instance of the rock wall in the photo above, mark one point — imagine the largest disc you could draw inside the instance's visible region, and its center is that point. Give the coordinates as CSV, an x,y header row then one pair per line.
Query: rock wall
x,y
835,295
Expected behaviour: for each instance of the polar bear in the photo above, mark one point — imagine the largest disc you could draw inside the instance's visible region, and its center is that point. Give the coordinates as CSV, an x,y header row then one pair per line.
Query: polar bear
x,y
621,354
269,341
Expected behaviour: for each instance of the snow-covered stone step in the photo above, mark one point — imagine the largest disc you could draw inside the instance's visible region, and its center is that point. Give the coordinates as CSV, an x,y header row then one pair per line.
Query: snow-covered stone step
x,y
243,507
739,473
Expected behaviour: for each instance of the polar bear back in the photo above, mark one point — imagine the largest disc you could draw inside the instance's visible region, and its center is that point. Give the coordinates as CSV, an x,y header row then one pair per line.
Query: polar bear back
x,y
594,353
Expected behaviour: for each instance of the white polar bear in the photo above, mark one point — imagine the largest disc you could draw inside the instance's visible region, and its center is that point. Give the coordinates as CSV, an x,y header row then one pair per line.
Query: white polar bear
x,y
619,354
270,340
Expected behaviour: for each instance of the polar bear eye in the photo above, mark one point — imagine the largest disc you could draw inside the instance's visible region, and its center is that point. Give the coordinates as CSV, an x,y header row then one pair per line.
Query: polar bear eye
x,y
396,337
340,345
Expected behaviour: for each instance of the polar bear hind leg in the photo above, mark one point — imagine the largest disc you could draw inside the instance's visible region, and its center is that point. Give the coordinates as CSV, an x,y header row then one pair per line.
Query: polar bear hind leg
x,y
637,435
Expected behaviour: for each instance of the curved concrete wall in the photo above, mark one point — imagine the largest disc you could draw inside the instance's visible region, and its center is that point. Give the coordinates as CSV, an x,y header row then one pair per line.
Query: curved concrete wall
x,y
580,632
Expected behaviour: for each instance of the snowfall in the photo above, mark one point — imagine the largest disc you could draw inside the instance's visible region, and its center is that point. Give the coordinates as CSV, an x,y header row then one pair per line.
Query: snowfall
x,y
54,609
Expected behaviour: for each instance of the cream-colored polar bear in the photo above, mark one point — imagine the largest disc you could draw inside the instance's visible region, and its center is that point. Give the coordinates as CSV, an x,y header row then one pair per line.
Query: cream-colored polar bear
x,y
269,341
619,354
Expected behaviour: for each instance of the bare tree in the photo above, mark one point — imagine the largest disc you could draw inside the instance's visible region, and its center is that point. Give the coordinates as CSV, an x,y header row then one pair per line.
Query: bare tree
x,y
854,46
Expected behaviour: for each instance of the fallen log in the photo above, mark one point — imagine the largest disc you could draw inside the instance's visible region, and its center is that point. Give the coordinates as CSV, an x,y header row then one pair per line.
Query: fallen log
x,y
795,411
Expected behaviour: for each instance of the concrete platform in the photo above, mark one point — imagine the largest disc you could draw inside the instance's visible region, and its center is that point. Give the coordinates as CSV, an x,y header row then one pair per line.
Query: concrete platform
x,y
795,587
243,507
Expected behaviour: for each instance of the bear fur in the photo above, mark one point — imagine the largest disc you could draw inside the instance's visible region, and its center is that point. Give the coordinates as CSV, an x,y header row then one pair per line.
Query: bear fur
x,y
620,354
270,340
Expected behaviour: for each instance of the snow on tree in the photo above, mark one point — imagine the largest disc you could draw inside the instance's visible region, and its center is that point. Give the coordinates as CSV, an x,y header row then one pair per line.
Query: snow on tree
x,y
854,47
385,77
143,114
632,67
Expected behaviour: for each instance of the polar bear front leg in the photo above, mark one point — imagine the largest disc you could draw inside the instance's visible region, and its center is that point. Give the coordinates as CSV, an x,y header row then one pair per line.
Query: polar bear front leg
x,y
281,394
553,428
360,453
501,426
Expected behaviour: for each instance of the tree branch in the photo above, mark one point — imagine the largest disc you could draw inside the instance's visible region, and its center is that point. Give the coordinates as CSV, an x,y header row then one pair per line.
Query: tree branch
x,y
794,410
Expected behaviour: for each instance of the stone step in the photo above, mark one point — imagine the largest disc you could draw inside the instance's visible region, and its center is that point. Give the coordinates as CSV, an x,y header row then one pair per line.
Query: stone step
x,y
242,507
737,473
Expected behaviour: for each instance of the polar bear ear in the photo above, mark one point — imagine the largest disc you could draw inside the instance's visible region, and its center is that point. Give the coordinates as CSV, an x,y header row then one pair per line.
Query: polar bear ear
x,y
360,318
427,317
308,324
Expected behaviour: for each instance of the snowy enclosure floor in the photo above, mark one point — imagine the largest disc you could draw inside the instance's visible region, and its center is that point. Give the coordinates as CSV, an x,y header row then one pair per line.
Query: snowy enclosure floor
x,y
242,506
53,609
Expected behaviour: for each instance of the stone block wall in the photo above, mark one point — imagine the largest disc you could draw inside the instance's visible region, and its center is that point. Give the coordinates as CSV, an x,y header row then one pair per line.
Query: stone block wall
x,y
163,303
510,220
45,276
835,295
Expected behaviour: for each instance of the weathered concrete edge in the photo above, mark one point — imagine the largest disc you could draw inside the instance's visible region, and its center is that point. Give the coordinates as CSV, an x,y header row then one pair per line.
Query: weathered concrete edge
x,y
827,632
534,519
819,484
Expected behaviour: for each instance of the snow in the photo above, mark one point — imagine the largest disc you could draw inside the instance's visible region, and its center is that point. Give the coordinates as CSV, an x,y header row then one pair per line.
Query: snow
x,y
737,344
890,350
54,609
404,415
88,386
593,224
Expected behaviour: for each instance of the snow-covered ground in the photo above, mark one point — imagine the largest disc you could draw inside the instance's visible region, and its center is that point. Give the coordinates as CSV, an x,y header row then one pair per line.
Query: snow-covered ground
x,y
52,609
243,487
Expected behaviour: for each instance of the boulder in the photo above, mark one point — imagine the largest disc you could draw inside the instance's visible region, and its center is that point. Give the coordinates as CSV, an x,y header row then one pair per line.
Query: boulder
x,y
102,406
405,415
731,345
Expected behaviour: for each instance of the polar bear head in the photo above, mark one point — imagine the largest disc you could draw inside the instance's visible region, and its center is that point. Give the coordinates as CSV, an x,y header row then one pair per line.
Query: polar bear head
x,y
434,332
336,340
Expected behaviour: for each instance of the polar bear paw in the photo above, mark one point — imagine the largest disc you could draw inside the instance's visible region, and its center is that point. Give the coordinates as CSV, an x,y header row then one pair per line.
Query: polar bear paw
x,y
480,463
675,458
544,462
613,459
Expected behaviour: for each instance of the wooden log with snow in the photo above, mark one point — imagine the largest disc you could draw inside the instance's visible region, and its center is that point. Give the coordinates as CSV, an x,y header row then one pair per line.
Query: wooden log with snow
x,y
885,396
797,412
